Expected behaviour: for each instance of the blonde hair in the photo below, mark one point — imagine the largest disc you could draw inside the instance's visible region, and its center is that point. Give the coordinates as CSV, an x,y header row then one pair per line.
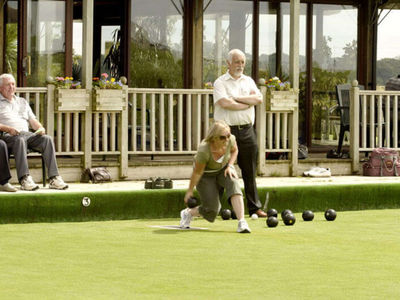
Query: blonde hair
x,y
216,130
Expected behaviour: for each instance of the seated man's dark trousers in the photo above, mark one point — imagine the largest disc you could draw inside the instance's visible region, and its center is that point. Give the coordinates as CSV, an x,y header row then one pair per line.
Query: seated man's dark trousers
x,y
19,145
5,174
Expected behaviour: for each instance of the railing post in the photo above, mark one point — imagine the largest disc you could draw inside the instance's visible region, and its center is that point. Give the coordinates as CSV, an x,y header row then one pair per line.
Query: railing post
x,y
355,126
49,114
87,135
196,119
294,139
260,129
123,135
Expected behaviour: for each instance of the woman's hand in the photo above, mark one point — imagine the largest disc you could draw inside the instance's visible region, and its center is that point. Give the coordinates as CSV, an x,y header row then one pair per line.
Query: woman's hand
x,y
231,171
187,196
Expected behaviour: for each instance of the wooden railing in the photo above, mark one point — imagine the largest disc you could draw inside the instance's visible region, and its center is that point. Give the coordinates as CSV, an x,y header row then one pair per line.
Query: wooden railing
x,y
374,117
155,122
277,131
168,121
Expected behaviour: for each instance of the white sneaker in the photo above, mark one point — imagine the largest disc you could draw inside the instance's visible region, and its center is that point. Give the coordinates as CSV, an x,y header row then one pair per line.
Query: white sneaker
x,y
7,187
320,172
57,183
186,218
243,227
27,184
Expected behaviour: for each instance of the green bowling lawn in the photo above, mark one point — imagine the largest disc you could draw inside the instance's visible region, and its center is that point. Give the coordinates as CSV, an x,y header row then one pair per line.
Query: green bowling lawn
x,y
354,257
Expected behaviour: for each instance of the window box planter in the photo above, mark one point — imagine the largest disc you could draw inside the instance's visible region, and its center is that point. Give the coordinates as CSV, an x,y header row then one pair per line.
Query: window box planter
x,y
71,100
109,100
281,100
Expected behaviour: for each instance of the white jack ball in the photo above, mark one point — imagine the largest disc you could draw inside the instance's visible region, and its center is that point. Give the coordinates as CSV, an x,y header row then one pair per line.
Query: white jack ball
x,y
254,216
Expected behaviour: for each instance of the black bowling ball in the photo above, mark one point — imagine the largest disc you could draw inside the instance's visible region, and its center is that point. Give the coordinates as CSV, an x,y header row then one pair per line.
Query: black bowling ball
x,y
272,221
330,214
286,211
226,214
289,219
272,213
192,202
308,215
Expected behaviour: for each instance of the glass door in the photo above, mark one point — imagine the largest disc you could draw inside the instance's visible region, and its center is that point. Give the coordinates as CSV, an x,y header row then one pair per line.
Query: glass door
x,y
45,41
334,61
11,38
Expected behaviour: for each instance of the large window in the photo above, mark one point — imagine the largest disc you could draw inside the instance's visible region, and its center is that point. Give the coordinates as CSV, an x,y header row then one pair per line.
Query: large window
x,y
45,40
388,52
227,25
274,39
334,61
267,39
11,38
156,44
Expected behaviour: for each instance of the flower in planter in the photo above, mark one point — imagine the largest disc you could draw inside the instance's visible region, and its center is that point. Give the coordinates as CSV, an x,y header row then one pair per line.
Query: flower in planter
x,y
104,83
66,83
275,84
208,85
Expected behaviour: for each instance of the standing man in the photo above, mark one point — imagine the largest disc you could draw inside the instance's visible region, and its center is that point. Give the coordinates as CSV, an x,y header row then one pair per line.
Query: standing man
x,y
15,117
235,96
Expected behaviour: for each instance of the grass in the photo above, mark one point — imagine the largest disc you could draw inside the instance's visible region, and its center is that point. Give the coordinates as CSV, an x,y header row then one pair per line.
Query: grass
x,y
355,256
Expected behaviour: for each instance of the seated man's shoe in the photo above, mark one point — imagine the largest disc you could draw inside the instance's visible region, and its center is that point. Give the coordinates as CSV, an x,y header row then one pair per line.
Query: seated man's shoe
x,y
27,184
260,213
57,183
243,227
7,187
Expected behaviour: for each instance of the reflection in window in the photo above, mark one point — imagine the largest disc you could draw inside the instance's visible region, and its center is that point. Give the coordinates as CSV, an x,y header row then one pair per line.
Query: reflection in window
x,y
388,52
283,67
285,12
156,44
227,25
110,56
274,49
11,38
77,49
45,41
334,62
335,38
267,40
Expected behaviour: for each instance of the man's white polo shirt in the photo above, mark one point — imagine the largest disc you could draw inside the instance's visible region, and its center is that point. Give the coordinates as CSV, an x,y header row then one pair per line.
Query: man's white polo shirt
x,y
227,87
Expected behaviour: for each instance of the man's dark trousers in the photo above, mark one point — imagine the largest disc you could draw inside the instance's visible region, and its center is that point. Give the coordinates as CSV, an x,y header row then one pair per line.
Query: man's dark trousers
x,y
246,139
4,164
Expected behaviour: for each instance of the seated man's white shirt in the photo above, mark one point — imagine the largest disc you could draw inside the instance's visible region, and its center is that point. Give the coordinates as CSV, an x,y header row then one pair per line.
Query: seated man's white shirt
x,y
16,113
228,87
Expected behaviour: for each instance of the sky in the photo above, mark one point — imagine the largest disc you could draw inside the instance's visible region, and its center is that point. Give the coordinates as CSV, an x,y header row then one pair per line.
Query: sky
x,y
389,36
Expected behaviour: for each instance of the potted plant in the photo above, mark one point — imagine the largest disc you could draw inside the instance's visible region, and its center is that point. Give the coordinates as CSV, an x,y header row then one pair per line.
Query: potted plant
x,y
108,94
69,96
279,95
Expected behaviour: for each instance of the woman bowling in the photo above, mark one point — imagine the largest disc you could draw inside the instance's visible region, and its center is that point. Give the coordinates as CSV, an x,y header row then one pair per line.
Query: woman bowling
x,y
212,173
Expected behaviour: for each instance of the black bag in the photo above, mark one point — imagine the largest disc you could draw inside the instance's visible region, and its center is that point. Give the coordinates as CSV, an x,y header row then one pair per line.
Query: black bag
x,y
158,183
96,175
302,152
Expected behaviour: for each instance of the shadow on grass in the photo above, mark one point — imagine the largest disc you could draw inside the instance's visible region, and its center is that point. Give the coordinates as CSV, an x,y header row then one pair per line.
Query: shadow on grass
x,y
172,229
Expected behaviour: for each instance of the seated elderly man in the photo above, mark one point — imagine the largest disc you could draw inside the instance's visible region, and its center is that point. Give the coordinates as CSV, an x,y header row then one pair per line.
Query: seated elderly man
x,y
15,118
